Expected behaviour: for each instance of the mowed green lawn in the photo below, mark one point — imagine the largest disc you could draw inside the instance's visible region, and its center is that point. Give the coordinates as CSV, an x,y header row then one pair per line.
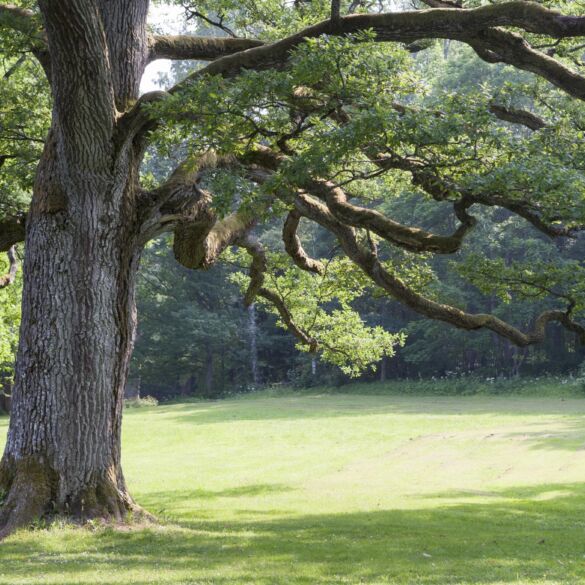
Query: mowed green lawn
x,y
336,489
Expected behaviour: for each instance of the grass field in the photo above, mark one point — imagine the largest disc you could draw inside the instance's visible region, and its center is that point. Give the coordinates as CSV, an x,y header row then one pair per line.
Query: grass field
x,y
316,489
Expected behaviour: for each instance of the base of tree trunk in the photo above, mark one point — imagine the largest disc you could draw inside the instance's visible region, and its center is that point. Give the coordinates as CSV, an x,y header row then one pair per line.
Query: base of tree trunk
x,y
28,492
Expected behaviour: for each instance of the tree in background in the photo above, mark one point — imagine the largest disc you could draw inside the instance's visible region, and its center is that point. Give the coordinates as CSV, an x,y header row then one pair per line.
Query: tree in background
x,y
305,114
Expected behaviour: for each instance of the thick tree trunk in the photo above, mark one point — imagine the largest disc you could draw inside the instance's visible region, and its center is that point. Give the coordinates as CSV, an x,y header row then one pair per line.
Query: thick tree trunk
x,y
78,319
62,454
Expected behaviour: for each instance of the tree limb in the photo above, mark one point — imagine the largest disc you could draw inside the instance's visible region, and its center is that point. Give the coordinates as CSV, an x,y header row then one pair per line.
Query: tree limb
x,y
22,20
294,247
409,238
198,48
515,116
257,271
8,278
11,232
464,25
288,320
474,27
369,263
257,268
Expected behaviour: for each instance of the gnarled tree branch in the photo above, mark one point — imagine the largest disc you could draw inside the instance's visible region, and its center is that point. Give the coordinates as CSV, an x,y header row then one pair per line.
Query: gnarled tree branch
x,y
22,20
257,271
198,48
409,238
516,116
474,27
8,278
294,247
370,264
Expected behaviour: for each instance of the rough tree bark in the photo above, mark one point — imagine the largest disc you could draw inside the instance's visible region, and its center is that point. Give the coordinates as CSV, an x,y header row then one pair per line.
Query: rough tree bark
x,y
78,318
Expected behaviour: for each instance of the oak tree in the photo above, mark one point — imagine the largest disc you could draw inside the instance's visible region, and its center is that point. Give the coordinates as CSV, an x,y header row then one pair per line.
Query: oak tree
x,y
311,112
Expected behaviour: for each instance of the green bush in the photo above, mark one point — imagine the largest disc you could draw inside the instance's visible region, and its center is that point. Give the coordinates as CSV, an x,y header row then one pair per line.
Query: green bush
x,y
140,402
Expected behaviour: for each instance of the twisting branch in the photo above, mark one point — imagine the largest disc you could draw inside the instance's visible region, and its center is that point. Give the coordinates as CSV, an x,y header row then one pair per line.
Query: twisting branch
x,y
463,25
495,45
199,244
288,320
441,190
180,200
474,27
22,20
500,46
257,270
409,238
516,116
8,278
369,263
294,247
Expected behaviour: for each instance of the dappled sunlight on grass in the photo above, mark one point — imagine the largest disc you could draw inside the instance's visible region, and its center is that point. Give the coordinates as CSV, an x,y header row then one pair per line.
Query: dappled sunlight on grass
x,y
337,489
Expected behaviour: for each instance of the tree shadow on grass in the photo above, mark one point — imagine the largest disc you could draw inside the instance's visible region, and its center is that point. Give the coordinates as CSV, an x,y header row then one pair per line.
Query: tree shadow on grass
x,y
515,542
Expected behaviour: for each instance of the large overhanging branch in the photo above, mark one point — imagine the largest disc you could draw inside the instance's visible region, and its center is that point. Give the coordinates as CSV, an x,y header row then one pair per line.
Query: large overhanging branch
x,y
474,27
518,116
500,46
368,261
197,48
9,278
442,190
464,25
196,246
22,20
409,238
180,202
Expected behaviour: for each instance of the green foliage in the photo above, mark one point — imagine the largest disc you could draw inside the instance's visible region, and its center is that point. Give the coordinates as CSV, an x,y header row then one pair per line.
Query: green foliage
x,y
321,306
538,279
25,114
142,402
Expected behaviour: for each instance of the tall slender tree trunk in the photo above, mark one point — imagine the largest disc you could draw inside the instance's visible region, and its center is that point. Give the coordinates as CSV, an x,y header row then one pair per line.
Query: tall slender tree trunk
x,y
383,369
253,331
82,251
209,373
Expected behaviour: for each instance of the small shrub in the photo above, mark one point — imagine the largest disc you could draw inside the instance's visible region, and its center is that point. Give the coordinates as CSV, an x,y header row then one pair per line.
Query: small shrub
x,y
140,402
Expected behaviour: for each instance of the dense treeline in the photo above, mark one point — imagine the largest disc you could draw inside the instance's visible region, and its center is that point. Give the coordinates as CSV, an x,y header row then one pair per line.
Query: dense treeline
x,y
192,340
